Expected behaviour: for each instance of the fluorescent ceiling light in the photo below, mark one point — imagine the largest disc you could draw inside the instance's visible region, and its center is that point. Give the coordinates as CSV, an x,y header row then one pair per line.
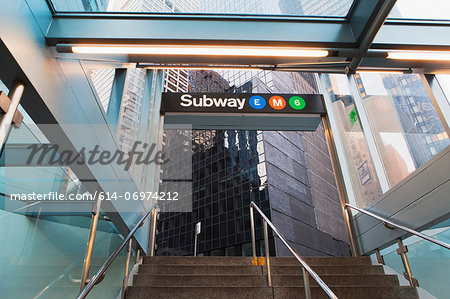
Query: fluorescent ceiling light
x,y
412,55
380,71
199,50
203,67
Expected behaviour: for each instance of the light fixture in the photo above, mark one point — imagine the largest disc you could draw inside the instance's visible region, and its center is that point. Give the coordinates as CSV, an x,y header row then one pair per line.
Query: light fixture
x,y
419,55
382,71
193,50
203,67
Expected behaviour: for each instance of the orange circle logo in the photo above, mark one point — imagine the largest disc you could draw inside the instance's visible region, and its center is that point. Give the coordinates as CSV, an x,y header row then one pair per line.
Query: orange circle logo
x,y
277,102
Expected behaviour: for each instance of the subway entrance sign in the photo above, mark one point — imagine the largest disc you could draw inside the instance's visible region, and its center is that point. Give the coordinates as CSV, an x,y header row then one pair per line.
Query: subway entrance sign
x,y
243,110
242,103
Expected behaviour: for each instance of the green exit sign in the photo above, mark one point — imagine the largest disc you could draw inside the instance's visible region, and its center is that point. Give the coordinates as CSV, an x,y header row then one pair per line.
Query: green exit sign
x,y
353,116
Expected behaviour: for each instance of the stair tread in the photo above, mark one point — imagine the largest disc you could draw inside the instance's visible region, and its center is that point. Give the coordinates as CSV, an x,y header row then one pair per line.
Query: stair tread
x,y
225,277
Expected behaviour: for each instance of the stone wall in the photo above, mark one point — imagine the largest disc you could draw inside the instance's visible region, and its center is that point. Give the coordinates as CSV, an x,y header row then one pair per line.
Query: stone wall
x,y
303,195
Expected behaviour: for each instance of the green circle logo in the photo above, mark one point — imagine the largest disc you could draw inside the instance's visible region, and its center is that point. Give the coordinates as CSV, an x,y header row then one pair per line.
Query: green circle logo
x,y
296,102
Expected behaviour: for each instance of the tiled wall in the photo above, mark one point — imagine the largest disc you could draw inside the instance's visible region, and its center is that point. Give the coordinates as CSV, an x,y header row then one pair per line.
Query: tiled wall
x,y
303,194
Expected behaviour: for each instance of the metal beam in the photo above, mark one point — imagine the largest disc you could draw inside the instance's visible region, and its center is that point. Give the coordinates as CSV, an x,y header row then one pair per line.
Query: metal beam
x,y
115,100
413,35
367,35
345,38
361,17
116,28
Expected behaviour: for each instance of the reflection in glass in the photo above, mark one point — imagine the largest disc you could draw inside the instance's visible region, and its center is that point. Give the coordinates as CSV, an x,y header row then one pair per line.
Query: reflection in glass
x,y
338,8
362,171
407,129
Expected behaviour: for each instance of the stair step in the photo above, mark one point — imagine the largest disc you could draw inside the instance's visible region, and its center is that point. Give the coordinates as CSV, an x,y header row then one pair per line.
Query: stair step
x,y
191,260
185,280
348,292
135,292
215,260
249,280
337,280
336,269
198,269
328,261
236,277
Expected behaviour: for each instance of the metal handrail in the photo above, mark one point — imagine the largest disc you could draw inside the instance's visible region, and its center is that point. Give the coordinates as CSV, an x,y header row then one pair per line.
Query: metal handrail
x,y
305,266
100,273
388,222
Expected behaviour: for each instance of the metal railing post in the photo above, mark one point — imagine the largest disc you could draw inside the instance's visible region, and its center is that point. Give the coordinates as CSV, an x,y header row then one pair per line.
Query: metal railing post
x,y
306,283
153,227
127,265
138,256
252,225
7,119
402,250
380,258
348,222
91,241
266,243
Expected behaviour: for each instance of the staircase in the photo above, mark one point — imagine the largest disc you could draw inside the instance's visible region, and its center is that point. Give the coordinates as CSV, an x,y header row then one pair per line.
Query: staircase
x,y
236,277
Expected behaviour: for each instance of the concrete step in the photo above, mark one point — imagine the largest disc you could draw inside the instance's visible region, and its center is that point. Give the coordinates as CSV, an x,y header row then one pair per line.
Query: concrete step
x,y
185,280
326,261
348,292
191,260
249,280
337,280
216,260
335,269
139,292
198,269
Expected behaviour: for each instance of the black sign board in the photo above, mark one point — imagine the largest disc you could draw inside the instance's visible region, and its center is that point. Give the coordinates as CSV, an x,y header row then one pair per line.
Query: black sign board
x,y
242,103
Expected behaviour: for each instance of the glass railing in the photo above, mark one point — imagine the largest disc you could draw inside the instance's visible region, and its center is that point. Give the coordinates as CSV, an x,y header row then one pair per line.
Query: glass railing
x,y
106,241
43,257
429,263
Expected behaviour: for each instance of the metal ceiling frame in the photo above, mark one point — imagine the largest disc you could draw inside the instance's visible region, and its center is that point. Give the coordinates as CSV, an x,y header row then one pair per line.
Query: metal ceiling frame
x,y
361,40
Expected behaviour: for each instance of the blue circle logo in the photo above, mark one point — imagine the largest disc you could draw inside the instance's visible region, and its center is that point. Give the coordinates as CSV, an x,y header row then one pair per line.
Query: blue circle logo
x,y
257,102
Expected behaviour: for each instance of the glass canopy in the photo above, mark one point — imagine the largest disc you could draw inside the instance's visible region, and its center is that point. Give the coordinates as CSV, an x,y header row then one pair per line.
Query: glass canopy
x,y
418,9
328,8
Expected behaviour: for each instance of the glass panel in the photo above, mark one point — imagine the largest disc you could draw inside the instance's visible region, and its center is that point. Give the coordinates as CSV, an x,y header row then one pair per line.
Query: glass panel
x,y
46,239
107,240
430,263
43,242
362,171
418,9
3,88
102,79
444,82
407,129
338,8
